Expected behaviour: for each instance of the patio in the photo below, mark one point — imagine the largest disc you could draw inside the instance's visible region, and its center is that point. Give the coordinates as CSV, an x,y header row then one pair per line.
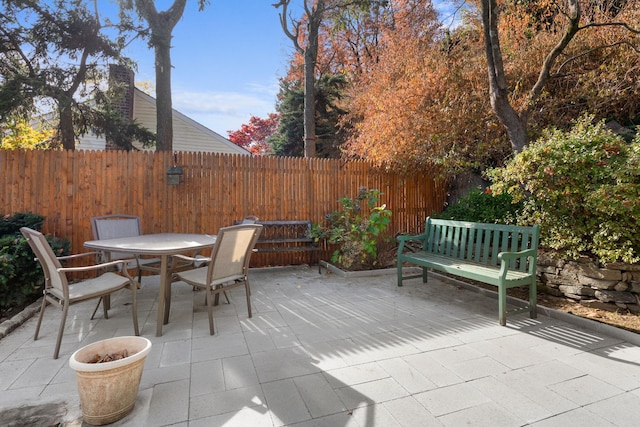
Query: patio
x,y
322,350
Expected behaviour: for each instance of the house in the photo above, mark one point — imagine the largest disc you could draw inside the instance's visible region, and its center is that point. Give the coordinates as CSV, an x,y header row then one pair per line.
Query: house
x,y
188,135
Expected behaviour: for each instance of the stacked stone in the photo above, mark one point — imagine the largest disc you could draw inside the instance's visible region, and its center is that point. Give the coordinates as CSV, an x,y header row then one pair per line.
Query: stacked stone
x,y
612,287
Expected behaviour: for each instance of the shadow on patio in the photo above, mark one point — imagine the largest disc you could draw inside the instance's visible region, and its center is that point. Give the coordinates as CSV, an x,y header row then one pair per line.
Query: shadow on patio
x,y
322,350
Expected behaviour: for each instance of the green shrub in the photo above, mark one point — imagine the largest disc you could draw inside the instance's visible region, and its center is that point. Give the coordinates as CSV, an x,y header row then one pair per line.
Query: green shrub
x,y
357,229
582,187
21,277
483,206
11,224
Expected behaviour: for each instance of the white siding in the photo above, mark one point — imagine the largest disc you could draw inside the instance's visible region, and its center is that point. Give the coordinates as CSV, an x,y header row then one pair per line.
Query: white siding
x,y
90,142
188,135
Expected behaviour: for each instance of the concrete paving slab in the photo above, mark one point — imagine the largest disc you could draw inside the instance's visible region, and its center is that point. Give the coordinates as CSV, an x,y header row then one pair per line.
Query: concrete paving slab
x,y
325,350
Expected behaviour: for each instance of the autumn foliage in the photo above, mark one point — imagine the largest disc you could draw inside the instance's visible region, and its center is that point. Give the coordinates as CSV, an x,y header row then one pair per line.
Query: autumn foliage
x,y
255,135
426,102
417,92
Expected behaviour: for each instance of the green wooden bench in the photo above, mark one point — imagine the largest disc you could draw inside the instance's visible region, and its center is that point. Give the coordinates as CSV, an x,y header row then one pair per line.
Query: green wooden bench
x,y
499,255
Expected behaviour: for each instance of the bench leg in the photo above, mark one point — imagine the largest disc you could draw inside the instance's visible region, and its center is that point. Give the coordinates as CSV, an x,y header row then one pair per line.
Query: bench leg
x,y
424,274
533,298
502,305
399,273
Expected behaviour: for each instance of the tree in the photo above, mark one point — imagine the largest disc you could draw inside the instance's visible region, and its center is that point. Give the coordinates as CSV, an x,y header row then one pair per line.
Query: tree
x,y
314,11
161,25
425,102
328,91
255,135
566,19
53,51
289,139
306,43
20,135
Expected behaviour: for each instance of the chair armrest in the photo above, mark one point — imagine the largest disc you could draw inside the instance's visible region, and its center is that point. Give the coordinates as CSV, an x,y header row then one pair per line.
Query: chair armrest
x,y
197,258
94,266
62,258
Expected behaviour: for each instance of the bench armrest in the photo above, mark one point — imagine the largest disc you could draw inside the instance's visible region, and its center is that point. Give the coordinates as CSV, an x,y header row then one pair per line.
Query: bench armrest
x,y
407,238
505,257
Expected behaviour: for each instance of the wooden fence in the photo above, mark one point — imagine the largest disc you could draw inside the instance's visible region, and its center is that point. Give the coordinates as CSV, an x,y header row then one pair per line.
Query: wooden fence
x,y
69,187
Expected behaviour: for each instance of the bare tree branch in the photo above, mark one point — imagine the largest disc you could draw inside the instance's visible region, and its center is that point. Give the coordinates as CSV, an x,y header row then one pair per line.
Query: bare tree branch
x,y
284,23
587,52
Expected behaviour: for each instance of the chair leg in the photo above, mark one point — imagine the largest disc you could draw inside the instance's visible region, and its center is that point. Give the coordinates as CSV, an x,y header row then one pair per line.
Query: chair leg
x,y
134,307
106,305
248,292
210,309
65,310
216,301
95,310
44,305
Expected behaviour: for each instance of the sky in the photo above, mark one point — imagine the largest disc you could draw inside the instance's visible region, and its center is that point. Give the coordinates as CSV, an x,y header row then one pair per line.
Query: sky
x,y
226,59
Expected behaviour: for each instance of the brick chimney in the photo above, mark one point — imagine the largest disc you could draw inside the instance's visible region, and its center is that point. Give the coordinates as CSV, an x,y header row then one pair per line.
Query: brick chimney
x,y
124,77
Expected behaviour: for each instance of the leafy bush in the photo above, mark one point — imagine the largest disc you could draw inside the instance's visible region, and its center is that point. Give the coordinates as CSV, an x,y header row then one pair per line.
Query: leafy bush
x,y
356,230
21,278
483,206
11,224
582,187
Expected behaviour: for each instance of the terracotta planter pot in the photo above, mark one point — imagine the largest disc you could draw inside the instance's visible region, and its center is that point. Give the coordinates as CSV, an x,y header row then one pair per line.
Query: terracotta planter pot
x,y
108,391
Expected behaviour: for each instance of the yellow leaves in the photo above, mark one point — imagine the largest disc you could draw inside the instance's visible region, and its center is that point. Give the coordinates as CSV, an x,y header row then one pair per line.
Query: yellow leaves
x,y
21,135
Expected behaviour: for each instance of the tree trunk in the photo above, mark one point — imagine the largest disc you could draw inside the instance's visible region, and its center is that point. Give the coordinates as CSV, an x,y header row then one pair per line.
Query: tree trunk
x,y
162,24
164,104
516,124
310,59
498,89
65,127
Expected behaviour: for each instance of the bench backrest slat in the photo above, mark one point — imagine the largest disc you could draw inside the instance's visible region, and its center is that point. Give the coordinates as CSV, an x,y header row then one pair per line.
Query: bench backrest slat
x,y
296,231
478,242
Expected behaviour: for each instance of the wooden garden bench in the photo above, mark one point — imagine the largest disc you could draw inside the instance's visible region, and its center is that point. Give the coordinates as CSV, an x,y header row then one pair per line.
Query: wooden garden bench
x,y
500,255
286,236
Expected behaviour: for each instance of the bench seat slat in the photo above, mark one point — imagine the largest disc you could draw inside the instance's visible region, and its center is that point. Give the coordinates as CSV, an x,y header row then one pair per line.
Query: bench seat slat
x,y
473,271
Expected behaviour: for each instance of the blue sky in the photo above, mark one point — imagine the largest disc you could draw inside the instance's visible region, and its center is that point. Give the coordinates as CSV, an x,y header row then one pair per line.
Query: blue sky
x,y
227,60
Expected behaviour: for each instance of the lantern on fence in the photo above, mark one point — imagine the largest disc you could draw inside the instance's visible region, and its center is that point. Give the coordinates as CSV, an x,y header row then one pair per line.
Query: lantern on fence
x,y
174,172
173,175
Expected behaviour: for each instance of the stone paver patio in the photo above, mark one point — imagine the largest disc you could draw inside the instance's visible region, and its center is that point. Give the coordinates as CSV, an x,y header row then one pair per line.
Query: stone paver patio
x,y
322,350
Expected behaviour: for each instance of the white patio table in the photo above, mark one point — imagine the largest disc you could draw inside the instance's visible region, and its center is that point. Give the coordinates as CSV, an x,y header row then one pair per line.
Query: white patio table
x,y
161,245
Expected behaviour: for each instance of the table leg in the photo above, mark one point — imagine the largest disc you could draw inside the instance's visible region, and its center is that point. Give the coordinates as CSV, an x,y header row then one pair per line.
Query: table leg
x,y
163,301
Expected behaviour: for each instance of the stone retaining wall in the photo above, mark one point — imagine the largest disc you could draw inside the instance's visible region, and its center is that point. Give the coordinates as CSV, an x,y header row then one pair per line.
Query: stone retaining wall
x,y
616,286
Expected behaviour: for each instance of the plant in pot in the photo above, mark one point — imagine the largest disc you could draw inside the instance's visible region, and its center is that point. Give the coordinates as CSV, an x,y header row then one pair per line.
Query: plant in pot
x,y
108,388
357,230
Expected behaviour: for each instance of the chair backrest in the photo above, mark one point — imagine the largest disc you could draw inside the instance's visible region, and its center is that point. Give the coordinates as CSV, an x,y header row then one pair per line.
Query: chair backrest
x,y
114,226
251,219
232,252
48,261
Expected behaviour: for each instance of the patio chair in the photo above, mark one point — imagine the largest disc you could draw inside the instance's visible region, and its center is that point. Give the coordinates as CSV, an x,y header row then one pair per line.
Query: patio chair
x,y
226,268
58,291
117,225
